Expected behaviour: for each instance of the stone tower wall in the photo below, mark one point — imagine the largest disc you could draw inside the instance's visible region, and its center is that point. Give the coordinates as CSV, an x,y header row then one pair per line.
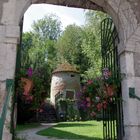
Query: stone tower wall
x,y
64,81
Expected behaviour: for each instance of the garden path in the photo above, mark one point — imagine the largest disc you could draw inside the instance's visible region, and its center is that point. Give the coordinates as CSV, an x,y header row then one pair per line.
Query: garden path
x,y
30,134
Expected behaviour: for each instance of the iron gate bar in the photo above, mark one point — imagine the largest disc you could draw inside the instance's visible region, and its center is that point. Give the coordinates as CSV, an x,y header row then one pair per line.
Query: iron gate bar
x,y
113,116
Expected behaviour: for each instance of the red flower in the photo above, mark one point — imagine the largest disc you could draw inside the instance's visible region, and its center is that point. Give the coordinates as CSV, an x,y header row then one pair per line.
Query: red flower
x,y
29,98
93,114
88,99
25,93
104,104
40,110
89,82
99,106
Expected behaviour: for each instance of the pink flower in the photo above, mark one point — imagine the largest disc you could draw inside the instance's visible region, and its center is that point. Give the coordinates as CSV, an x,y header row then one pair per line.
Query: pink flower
x,y
40,110
111,99
89,82
25,93
30,72
106,73
93,114
88,99
88,105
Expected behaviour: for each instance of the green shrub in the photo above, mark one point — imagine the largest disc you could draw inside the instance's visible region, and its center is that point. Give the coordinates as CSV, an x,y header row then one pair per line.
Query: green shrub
x,y
69,109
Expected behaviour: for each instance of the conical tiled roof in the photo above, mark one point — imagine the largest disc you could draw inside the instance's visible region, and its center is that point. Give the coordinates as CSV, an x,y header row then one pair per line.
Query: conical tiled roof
x,y
65,67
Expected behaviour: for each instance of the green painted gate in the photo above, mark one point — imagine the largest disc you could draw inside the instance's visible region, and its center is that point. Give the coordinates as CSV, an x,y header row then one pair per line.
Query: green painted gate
x,y
113,115
9,94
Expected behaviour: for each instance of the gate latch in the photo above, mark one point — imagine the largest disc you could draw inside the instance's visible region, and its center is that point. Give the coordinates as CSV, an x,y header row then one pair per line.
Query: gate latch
x,y
132,93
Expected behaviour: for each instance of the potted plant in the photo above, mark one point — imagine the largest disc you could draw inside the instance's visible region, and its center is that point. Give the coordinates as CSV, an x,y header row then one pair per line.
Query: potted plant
x,y
27,85
27,82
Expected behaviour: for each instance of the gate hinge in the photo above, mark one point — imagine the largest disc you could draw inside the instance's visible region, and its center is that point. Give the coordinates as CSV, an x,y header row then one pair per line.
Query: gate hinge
x,y
132,93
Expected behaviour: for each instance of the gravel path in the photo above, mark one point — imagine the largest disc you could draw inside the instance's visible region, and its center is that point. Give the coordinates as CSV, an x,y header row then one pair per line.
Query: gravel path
x,y
30,134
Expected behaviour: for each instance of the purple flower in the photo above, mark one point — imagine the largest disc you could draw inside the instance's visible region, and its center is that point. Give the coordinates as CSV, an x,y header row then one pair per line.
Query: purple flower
x,y
79,95
30,72
106,73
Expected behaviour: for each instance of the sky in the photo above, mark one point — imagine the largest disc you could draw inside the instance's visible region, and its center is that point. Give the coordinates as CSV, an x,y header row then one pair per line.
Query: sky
x,y
67,15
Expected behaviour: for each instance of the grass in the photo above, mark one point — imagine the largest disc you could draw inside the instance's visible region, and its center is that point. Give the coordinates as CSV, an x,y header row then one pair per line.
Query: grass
x,y
19,138
88,130
26,126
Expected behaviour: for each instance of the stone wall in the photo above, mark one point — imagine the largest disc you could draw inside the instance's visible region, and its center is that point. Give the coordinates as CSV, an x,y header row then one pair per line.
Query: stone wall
x,y
126,16
64,81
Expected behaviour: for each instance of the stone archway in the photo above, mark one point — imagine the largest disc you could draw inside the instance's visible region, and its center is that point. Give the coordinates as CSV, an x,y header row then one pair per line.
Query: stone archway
x,y
126,16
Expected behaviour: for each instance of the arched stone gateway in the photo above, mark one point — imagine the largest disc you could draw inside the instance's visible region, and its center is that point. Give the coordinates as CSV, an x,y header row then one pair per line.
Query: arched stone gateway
x,y
126,16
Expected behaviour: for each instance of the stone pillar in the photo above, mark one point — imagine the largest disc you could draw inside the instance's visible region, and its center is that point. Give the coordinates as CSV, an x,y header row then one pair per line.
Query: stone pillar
x,y
131,107
9,35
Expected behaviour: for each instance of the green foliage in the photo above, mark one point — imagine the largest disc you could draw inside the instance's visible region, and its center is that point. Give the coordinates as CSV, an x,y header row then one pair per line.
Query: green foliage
x,y
80,46
48,28
94,19
38,47
98,94
69,47
27,43
91,43
72,111
45,47
69,109
37,52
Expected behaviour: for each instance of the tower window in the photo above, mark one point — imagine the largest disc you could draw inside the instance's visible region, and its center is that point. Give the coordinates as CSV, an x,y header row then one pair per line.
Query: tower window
x,y
72,75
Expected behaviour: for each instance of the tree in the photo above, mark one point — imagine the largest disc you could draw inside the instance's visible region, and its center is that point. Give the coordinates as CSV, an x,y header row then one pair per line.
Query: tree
x,y
80,46
45,34
27,43
38,45
48,28
38,52
91,43
69,47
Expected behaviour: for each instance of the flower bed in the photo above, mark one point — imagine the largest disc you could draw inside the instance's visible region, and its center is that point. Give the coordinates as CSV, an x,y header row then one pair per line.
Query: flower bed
x,y
98,93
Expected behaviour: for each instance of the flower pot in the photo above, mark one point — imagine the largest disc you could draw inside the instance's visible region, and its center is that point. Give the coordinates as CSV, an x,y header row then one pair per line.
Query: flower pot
x,y
110,90
27,85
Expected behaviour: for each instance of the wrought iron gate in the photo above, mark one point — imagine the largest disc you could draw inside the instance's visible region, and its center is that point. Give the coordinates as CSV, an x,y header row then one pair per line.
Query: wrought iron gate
x,y
113,115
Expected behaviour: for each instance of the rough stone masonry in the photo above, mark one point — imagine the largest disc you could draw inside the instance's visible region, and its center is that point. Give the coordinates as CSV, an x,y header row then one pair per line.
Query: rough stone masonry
x,y
126,16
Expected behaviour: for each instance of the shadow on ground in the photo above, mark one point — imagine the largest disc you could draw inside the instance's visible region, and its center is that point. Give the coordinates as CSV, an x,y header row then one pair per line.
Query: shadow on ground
x,y
74,125
64,135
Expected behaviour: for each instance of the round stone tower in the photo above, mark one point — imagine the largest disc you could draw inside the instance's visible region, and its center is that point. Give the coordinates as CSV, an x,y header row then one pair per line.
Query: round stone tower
x,y
65,82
